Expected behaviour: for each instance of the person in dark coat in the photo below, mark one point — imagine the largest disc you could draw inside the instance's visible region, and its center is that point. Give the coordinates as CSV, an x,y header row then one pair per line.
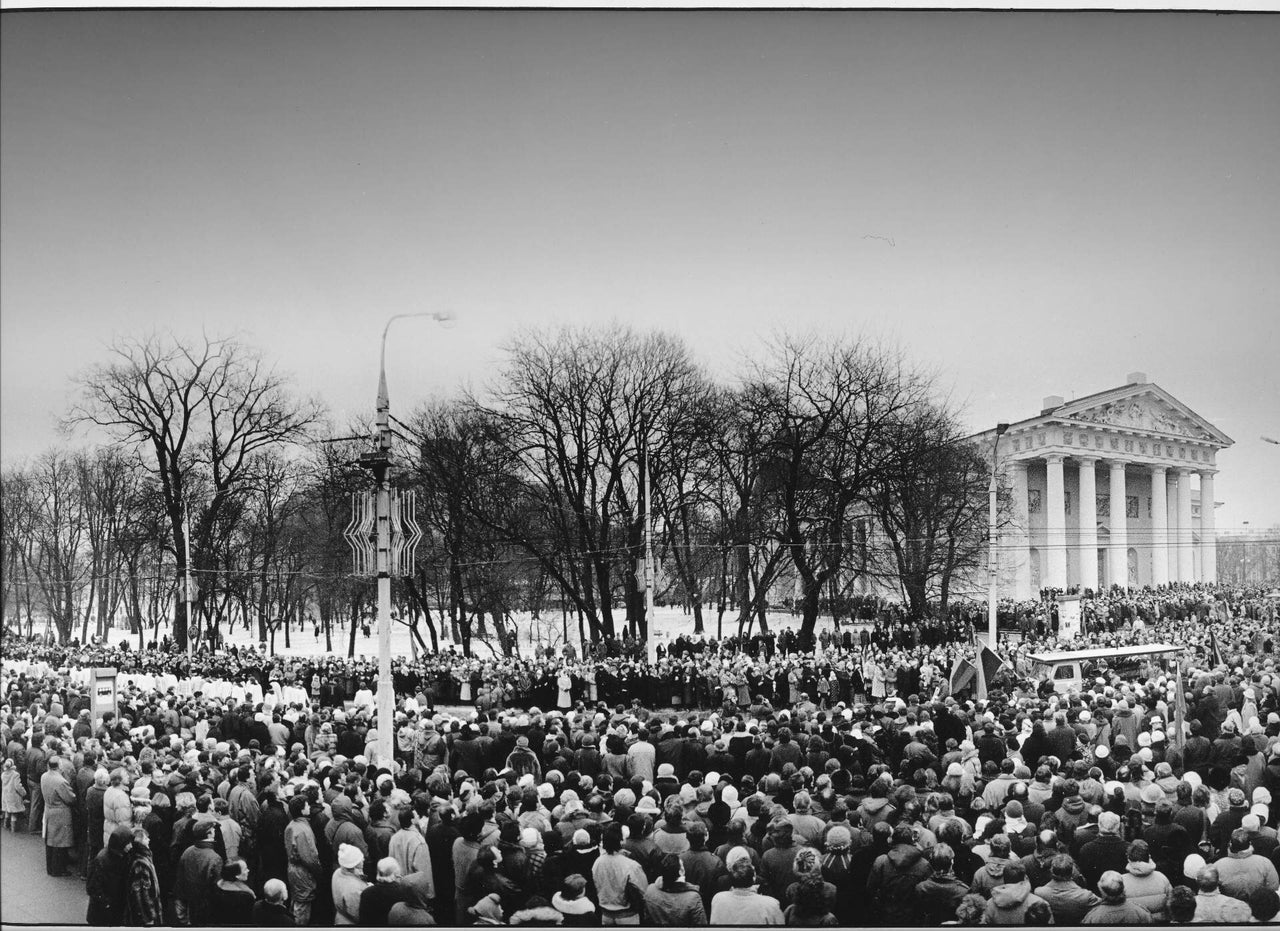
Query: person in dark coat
x,y
199,869
1102,854
894,877
108,884
143,906
95,816
233,898
379,896
271,911
273,862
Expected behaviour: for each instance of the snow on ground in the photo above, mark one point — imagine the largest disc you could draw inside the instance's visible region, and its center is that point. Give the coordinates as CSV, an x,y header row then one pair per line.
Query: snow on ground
x,y
669,623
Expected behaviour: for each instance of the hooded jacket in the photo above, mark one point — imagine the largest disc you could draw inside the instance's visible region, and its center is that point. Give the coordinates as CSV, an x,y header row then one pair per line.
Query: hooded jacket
x,y
874,810
1009,904
413,909
937,898
1146,886
893,880
1241,874
680,906
989,875
1117,912
1068,901
343,828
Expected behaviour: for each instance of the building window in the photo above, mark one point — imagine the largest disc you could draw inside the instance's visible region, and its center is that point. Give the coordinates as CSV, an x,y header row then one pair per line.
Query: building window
x,y
1033,500
1104,505
1131,506
1148,508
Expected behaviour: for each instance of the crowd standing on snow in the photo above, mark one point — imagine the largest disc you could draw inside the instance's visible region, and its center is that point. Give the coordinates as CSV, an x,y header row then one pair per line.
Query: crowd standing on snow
x,y
729,783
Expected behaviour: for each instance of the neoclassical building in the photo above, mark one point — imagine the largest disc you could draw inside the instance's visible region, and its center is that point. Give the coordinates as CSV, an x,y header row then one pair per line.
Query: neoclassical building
x,y
1103,492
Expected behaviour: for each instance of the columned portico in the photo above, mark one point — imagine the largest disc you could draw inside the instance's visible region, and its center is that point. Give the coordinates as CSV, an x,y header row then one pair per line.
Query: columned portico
x,y
1159,526
1186,564
1140,528
1056,523
1088,524
1118,550
1208,530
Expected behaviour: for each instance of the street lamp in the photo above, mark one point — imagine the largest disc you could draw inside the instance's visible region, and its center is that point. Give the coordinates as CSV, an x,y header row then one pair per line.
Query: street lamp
x,y
379,462
992,565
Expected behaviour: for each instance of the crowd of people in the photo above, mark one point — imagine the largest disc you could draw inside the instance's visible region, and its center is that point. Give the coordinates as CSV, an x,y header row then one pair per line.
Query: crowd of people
x,y
842,785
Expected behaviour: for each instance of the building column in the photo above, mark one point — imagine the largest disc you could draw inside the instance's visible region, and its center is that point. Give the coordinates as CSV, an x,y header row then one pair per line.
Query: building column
x,y
1021,550
1208,530
1088,525
1186,565
1056,523
1118,551
1159,526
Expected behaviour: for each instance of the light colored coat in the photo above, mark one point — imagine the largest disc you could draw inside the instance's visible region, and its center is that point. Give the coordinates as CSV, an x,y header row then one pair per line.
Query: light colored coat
x,y
58,799
117,811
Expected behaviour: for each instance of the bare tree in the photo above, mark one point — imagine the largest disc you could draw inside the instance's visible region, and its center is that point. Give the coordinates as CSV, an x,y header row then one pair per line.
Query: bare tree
x,y
20,517
571,404
834,405
930,502
202,411
61,569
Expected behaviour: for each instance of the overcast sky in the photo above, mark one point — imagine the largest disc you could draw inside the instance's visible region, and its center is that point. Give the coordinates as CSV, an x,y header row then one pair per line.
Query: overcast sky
x,y
1033,204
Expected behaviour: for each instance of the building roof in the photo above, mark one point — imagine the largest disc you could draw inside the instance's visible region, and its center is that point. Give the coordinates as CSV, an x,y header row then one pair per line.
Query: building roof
x,y
1097,409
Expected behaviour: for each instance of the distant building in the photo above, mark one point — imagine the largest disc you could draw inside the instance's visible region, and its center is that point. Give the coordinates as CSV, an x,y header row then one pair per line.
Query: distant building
x,y
1102,492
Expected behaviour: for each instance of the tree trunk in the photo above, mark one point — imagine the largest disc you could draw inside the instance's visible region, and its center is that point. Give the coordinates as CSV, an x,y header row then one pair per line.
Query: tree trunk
x,y
809,603
355,623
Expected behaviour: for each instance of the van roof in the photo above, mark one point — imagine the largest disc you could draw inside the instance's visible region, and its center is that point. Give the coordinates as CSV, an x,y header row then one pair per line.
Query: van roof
x,y
1144,649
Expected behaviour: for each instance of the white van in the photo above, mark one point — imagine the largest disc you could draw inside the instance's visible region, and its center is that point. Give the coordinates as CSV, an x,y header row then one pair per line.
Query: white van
x,y
1072,669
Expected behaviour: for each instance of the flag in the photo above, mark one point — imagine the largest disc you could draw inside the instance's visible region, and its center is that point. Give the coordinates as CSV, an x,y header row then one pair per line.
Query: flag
x,y
988,664
1215,654
962,675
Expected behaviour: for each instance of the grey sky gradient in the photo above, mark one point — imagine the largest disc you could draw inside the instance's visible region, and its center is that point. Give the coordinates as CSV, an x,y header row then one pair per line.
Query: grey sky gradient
x,y
1031,203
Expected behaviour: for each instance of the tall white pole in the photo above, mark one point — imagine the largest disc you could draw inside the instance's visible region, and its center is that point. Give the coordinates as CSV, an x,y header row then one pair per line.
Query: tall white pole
x,y
386,699
651,644
186,549
382,474
992,563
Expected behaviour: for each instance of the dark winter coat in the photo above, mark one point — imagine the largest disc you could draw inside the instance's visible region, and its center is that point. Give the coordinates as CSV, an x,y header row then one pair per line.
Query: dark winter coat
x,y
892,884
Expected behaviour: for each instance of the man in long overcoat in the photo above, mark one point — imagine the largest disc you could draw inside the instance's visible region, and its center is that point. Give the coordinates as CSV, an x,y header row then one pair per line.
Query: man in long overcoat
x,y
59,833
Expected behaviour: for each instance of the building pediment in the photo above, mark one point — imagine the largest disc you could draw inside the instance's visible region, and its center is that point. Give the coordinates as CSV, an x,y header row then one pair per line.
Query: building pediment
x,y
1148,409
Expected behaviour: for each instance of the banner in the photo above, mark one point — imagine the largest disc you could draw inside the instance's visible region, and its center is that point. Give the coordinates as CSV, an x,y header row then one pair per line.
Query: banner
x,y
988,665
1068,617
962,675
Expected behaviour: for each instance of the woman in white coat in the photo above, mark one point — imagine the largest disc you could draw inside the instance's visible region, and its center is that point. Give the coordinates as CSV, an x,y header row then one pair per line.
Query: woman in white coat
x,y
117,807
564,683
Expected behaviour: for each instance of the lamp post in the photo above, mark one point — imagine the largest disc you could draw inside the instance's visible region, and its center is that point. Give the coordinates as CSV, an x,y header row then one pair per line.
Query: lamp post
x,y
379,462
992,566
